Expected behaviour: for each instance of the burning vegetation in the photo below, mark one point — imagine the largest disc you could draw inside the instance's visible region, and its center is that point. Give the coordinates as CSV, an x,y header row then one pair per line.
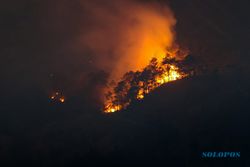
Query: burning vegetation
x,y
134,85
58,97
134,43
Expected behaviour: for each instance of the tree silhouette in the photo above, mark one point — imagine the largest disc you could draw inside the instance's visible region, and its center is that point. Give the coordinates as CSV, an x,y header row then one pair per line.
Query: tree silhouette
x,y
133,83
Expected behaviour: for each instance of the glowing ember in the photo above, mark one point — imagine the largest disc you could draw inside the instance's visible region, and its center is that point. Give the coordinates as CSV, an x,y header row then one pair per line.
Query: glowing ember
x,y
135,85
62,99
140,94
112,108
56,96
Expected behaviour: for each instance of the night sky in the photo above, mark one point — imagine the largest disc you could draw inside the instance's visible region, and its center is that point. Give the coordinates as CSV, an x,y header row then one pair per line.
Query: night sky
x,y
41,52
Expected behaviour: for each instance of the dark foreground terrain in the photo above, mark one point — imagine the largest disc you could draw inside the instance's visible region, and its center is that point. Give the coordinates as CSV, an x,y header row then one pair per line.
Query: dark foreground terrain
x,y
171,127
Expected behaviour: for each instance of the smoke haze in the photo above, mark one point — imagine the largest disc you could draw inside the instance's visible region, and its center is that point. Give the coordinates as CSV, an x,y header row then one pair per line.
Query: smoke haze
x,y
126,35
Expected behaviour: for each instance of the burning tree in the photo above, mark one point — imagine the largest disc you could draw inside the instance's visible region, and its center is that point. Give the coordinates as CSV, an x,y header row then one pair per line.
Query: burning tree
x,y
135,85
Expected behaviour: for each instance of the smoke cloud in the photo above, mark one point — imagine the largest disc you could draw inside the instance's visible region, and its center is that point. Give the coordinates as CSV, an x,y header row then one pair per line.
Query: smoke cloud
x,y
126,35
81,45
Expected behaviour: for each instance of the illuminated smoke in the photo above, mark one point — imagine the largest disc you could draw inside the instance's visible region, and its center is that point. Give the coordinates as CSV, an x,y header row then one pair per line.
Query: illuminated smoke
x,y
126,35
118,35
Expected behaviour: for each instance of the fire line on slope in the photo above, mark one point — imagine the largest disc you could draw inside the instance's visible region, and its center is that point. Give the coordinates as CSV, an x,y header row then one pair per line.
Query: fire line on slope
x,y
135,85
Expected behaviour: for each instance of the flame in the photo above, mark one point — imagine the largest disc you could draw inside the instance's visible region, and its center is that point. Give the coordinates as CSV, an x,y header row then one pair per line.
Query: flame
x,y
152,76
110,108
57,96
62,99
140,94
172,75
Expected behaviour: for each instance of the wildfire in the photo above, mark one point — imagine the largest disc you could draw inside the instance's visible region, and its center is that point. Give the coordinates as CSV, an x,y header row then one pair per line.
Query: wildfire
x,y
135,85
112,108
57,96
62,99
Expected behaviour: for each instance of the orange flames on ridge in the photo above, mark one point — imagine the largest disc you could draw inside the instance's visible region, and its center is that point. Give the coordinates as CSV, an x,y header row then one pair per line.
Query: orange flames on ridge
x,y
143,82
